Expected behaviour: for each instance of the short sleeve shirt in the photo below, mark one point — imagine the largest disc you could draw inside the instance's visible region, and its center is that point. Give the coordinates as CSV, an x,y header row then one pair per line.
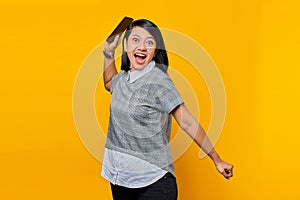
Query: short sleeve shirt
x,y
140,117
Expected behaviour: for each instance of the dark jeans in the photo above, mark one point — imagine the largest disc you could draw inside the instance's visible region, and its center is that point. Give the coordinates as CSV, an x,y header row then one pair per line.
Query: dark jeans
x,y
163,189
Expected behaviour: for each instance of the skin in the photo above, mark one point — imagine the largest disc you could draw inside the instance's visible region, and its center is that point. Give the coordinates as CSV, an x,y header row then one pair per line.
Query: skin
x,y
139,42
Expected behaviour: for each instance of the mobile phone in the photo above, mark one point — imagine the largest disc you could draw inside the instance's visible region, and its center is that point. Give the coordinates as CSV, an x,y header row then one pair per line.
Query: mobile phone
x,y
122,26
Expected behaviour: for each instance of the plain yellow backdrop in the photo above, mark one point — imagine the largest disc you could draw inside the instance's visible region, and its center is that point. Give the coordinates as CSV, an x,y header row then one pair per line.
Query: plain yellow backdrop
x,y
255,45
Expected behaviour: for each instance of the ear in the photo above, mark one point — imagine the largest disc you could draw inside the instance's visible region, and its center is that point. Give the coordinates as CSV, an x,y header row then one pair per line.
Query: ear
x,y
125,45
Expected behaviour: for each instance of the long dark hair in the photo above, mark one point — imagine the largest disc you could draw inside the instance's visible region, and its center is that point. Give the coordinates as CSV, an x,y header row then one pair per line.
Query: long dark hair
x,y
160,58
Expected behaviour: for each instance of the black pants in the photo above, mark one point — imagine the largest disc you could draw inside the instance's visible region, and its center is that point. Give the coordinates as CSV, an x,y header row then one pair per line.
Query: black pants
x,y
163,189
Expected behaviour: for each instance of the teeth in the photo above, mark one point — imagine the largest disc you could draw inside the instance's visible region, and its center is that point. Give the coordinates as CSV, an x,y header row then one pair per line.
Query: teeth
x,y
140,55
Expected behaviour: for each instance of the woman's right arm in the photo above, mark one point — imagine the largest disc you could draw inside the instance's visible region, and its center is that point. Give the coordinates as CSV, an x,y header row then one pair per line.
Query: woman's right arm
x,y
109,63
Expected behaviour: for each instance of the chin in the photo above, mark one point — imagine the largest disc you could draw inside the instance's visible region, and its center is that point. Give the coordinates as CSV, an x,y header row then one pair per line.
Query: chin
x,y
137,66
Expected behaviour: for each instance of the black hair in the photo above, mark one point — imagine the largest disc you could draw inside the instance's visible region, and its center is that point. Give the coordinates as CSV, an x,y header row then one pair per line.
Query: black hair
x,y
160,58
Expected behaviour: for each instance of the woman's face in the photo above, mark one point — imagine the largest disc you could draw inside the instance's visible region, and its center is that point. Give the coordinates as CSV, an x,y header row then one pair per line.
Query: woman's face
x,y
140,48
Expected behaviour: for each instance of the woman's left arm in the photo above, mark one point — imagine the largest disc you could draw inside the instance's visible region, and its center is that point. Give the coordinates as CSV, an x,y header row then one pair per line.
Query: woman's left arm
x,y
192,127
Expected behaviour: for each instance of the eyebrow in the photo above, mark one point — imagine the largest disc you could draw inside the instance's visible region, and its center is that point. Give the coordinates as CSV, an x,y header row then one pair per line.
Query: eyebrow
x,y
141,37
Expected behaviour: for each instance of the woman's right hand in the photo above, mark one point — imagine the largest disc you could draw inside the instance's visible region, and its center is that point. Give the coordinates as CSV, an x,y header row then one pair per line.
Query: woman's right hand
x,y
111,47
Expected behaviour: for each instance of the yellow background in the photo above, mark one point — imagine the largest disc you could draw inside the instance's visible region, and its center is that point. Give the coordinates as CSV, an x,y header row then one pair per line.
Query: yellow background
x,y
255,45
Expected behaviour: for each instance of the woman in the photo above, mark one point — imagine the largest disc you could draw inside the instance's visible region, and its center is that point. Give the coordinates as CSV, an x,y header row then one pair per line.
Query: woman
x,y
137,159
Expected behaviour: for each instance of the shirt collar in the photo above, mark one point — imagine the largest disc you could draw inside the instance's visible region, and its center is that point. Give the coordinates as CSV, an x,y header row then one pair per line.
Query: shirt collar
x,y
136,74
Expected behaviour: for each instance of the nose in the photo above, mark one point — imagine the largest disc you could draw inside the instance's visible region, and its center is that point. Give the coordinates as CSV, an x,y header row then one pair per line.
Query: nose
x,y
141,46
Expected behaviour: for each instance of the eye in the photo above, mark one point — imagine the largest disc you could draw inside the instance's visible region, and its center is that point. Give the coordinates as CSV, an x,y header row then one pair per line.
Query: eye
x,y
149,43
135,40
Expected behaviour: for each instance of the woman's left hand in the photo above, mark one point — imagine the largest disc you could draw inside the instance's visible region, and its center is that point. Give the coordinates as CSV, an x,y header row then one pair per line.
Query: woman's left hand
x,y
225,169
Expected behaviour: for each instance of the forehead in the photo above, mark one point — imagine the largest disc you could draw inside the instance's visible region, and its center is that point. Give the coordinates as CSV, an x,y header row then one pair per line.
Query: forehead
x,y
139,31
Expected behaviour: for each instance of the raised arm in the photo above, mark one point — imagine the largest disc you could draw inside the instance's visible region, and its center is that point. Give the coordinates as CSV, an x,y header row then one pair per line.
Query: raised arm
x,y
109,63
192,127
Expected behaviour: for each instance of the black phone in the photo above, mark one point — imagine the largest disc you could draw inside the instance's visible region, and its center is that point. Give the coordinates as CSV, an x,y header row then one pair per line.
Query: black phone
x,y
122,26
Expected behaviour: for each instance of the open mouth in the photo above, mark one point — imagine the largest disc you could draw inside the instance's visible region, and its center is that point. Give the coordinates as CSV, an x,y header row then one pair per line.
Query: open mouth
x,y
140,58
